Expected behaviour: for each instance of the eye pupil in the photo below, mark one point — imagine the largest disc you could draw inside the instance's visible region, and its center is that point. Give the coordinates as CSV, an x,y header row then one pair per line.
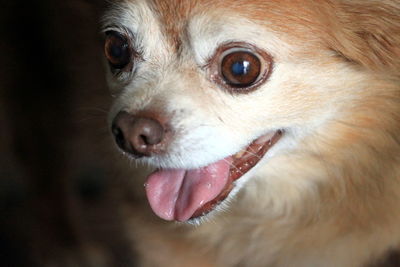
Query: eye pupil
x,y
241,68
116,51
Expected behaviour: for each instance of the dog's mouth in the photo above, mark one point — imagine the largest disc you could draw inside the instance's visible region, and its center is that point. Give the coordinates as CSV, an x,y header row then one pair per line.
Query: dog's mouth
x,y
181,195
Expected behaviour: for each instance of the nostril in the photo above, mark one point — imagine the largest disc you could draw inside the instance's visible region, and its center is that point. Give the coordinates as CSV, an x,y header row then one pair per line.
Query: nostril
x,y
144,139
119,136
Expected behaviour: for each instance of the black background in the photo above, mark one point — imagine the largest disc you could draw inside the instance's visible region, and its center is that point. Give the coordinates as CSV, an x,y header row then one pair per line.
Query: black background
x,y
60,191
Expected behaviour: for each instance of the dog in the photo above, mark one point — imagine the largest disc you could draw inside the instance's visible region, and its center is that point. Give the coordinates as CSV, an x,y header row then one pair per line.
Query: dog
x,y
271,127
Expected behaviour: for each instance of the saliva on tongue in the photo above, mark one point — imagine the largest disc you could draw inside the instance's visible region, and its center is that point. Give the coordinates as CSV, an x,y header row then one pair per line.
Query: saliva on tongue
x,y
176,194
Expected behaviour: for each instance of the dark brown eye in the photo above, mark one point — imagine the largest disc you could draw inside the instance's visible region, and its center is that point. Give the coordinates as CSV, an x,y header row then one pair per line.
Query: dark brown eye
x,y
240,69
117,50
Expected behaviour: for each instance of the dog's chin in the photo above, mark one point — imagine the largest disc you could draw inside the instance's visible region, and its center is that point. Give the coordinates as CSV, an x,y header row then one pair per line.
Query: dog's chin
x,y
191,195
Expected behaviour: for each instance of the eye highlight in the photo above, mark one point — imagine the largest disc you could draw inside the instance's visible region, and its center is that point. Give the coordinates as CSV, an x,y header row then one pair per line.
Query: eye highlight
x,y
240,67
117,50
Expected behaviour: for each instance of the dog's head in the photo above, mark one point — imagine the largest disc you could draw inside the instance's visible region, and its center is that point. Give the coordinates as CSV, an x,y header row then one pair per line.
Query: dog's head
x,y
210,91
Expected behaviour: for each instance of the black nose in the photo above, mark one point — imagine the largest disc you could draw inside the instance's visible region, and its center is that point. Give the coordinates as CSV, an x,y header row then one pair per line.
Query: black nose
x,y
137,135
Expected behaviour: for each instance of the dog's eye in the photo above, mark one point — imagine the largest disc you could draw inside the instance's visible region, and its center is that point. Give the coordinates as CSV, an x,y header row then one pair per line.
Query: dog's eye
x,y
240,69
117,50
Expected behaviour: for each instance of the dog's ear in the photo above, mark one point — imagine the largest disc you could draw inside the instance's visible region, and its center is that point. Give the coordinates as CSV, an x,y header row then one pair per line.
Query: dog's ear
x,y
368,33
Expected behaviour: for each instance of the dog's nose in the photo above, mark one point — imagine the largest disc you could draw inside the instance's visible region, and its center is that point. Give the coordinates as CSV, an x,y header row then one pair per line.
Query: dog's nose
x,y
138,135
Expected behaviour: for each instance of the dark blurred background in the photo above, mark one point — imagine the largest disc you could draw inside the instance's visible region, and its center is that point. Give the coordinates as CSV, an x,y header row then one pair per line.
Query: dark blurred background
x,y
61,195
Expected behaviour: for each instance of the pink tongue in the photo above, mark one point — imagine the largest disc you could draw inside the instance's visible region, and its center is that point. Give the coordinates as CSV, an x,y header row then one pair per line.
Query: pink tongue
x,y
177,194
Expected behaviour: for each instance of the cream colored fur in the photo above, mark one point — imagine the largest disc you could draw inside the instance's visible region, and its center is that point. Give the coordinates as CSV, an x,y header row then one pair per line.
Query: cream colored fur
x,y
328,193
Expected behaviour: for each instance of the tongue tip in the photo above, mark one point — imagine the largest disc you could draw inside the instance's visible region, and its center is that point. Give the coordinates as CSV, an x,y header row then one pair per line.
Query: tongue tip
x,y
169,215
183,217
161,190
165,215
178,194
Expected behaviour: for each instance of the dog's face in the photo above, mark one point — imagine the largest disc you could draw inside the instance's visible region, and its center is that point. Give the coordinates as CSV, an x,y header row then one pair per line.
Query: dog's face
x,y
209,92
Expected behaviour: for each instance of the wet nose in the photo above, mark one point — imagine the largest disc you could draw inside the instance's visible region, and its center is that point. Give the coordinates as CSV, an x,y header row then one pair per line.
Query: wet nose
x,y
138,135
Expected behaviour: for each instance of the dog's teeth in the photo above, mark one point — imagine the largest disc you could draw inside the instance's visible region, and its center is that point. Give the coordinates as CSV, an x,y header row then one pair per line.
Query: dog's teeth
x,y
265,138
240,154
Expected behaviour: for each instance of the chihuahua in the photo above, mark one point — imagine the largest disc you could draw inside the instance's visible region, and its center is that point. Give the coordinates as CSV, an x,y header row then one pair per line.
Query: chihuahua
x,y
272,127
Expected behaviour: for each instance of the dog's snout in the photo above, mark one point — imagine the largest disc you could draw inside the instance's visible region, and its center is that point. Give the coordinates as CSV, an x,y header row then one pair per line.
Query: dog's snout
x,y
138,135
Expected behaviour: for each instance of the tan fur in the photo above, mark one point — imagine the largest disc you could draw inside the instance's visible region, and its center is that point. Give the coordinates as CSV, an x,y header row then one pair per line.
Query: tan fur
x,y
334,198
